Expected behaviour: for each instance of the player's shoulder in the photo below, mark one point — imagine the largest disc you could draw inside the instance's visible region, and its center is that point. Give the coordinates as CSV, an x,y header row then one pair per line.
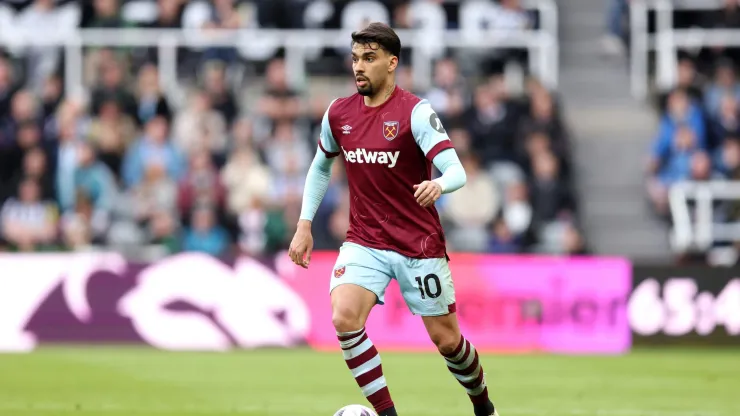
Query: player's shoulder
x,y
409,96
343,105
407,100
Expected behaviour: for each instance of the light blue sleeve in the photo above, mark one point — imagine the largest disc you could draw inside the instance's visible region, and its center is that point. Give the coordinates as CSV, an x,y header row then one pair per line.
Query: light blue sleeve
x,y
428,131
433,140
317,182
327,143
453,174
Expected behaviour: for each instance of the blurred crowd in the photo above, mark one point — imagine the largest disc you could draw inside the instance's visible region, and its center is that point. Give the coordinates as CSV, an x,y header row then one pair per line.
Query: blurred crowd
x,y
698,137
126,166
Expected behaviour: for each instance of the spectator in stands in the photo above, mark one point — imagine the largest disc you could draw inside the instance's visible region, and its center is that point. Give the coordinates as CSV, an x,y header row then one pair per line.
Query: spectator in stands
x,y
66,158
669,165
491,123
43,60
152,148
106,14
111,132
448,94
77,226
169,15
573,242
471,221
701,168
726,123
35,166
51,98
262,229
200,126
27,222
96,183
690,80
680,111
279,102
157,193
224,15
164,230
221,98
460,138
72,111
247,181
534,144
201,185
204,234
151,102
288,157
542,117
727,158
24,108
405,80
28,136
725,83
517,210
552,199
502,240
242,135
113,87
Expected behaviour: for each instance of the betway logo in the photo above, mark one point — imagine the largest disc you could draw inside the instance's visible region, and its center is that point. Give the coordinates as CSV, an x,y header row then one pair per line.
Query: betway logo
x,y
370,156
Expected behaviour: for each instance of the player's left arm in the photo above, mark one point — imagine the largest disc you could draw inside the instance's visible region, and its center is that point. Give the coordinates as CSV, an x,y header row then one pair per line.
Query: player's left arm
x,y
433,140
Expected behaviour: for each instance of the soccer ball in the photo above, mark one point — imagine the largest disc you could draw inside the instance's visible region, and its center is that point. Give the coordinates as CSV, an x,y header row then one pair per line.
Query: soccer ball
x,y
355,410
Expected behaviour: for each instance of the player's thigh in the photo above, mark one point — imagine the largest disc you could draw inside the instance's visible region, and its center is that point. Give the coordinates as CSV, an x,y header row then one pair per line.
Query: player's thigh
x,y
359,281
426,286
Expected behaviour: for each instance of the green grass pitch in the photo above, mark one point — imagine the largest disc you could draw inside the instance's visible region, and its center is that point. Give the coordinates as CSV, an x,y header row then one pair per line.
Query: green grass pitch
x,y
109,381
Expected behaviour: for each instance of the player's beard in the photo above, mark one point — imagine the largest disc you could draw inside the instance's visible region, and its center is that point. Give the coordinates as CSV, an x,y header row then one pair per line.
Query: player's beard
x,y
367,90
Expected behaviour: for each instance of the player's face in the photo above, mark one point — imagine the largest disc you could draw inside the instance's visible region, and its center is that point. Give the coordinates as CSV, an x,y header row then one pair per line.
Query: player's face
x,y
372,65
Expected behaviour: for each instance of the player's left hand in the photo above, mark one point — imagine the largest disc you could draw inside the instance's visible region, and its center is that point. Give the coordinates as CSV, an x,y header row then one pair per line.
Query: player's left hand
x,y
427,193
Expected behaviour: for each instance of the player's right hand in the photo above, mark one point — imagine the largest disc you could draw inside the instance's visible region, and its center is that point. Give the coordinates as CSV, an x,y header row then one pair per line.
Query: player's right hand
x,y
302,245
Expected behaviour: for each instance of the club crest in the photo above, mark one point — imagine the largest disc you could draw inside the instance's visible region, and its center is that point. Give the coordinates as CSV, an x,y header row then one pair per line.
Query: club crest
x,y
390,130
339,272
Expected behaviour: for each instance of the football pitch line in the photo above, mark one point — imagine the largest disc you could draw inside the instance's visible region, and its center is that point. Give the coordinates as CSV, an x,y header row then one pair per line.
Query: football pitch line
x,y
50,407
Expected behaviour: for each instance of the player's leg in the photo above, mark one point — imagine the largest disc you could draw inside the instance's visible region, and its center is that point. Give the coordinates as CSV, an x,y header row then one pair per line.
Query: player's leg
x,y
358,282
428,290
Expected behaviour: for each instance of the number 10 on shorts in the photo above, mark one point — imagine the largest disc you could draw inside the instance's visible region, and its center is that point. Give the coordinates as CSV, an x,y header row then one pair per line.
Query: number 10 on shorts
x,y
429,286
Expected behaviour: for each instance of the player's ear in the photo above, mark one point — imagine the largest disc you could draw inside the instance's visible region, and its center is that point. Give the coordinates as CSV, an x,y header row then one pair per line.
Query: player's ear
x,y
393,64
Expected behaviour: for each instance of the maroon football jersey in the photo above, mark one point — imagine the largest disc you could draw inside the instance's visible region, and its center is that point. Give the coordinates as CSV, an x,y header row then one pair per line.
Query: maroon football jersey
x,y
387,150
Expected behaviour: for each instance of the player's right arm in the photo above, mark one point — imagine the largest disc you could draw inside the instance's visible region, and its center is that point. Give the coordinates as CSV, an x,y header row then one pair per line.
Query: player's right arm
x,y
317,182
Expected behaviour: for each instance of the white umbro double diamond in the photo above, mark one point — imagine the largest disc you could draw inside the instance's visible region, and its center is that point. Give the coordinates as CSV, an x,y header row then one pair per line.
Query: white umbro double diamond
x,y
347,129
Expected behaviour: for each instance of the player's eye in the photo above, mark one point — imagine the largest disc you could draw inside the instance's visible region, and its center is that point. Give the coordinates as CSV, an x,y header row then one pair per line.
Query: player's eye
x,y
370,59
354,59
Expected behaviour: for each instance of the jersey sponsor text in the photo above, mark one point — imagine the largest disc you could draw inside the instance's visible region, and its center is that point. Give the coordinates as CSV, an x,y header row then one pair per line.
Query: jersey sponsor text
x,y
371,156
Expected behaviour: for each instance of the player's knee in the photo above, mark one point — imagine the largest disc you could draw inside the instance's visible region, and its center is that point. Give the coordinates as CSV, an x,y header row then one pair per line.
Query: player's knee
x,y
446,341
346,320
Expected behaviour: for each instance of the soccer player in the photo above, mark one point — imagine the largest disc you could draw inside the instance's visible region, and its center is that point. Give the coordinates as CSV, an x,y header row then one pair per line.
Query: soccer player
x,y
389,139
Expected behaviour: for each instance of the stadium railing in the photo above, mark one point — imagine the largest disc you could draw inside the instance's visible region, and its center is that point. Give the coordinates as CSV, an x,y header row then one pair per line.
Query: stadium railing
x,y
667,40
700,230
425,43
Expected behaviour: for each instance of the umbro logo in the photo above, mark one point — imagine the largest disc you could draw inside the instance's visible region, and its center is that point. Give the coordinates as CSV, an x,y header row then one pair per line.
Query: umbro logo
x,y
347,129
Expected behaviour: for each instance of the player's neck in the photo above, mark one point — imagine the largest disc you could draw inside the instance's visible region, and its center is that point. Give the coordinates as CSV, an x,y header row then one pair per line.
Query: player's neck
x,y
382,96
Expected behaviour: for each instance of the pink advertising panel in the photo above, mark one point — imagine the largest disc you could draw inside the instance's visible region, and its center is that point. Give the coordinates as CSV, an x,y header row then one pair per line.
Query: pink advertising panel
x,y
505,304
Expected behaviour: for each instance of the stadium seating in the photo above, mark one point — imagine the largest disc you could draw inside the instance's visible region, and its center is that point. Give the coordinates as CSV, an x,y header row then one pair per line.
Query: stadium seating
x,y
693,173
153,149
